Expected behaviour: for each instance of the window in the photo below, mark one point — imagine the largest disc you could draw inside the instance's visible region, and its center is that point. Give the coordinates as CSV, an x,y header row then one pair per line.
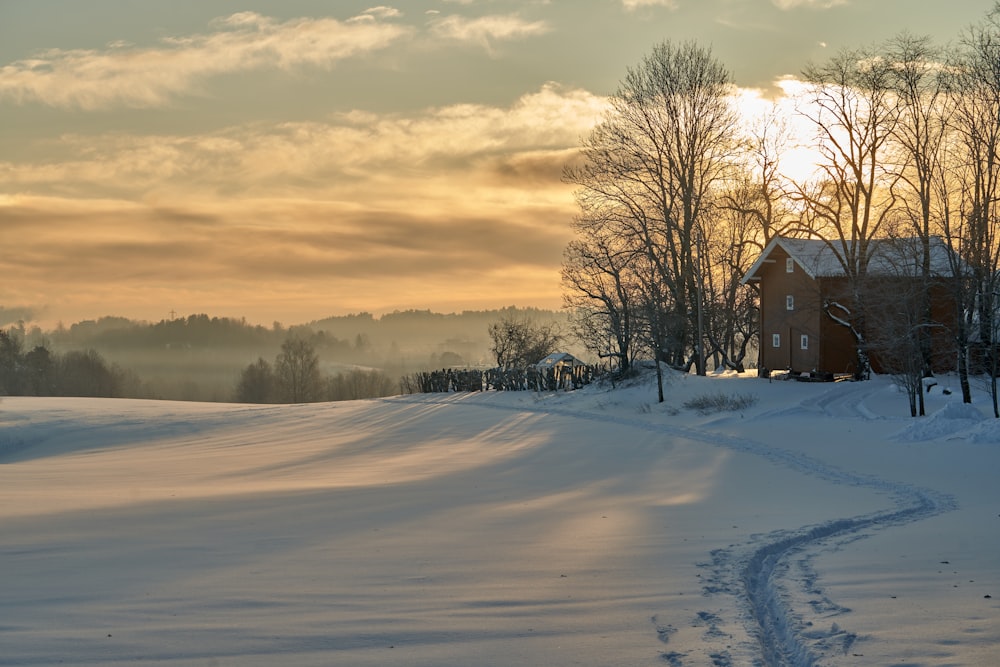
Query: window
x,y
775,340
790,302
789,265
804,341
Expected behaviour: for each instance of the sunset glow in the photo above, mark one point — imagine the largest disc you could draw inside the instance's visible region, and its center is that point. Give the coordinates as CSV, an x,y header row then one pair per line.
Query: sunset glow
x,y
290,161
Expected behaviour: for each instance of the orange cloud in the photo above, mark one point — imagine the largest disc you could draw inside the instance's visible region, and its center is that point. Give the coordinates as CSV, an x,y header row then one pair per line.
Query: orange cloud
x,y
460,205
251,257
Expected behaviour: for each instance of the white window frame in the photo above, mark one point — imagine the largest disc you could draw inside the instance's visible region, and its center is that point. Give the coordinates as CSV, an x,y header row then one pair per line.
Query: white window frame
x,y
776,340
804,341
789,265
789,302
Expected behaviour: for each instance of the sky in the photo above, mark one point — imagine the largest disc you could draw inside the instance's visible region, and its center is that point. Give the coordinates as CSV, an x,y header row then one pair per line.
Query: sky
x,y
288,161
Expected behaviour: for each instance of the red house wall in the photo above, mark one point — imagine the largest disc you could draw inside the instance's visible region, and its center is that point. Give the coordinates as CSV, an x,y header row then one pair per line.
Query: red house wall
x,y
803,319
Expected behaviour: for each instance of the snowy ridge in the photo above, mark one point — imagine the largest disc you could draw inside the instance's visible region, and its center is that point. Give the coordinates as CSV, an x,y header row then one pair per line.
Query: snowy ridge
x,y
759,567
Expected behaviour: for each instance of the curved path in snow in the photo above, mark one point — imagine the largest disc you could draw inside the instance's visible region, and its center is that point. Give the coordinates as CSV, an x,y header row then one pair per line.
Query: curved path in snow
x,y
760,567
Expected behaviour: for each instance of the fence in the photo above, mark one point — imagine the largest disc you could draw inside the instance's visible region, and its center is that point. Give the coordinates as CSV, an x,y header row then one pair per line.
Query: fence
x,y
499,379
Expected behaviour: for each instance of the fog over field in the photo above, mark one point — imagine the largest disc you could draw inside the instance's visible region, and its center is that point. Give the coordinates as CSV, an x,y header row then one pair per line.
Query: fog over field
x,y
199,357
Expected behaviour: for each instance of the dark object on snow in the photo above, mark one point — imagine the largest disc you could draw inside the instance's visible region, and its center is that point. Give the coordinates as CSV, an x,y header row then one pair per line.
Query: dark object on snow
x,y
814,376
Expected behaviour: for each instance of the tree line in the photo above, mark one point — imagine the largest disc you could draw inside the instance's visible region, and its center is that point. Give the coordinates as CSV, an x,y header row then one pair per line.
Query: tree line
x,y
41,372
200,357
679,191
295,377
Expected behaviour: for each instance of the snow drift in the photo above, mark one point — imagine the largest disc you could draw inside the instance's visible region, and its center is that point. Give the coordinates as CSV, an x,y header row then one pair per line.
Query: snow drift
x,y
818,525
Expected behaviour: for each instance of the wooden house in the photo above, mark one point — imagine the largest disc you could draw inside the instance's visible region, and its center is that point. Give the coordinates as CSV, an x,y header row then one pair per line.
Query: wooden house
x,y
797,279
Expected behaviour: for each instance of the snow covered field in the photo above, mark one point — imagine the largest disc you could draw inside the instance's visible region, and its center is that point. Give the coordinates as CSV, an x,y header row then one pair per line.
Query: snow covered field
x,y
819,526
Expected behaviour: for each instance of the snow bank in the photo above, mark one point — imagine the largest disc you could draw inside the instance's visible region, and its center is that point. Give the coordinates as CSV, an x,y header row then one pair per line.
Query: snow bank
x,y
950,422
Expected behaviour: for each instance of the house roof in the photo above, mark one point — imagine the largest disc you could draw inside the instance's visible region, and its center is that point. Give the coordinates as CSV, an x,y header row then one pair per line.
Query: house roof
x,y
820,259
557,358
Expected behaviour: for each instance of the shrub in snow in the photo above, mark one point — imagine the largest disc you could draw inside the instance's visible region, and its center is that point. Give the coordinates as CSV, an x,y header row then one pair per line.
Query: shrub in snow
x,y
719,402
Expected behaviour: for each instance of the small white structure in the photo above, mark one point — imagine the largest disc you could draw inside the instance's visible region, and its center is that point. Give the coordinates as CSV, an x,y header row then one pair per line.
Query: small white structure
x,y
559,360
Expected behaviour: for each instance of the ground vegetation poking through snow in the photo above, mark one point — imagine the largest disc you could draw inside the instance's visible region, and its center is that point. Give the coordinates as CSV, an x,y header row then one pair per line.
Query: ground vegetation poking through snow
x,y
813,525
720,402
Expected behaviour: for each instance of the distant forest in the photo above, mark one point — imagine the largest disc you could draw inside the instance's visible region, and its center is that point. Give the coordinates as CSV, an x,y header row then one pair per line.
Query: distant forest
x,y
202,358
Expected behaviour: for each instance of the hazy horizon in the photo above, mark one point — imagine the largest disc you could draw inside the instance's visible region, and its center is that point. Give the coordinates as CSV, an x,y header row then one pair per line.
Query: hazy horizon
x,y
30,317
200,357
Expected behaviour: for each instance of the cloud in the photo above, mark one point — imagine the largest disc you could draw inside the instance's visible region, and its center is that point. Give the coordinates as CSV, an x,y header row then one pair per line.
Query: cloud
x,y
383,12
205,240
454,204
256,256
808,4
380,12
486,30
341,157
149,77
633,5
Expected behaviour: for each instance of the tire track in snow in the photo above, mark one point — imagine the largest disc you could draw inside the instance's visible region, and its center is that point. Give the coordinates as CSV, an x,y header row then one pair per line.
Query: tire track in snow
x,y
759,565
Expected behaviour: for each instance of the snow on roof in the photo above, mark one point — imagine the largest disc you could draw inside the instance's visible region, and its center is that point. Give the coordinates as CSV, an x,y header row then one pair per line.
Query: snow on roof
x,y
559,358
822,259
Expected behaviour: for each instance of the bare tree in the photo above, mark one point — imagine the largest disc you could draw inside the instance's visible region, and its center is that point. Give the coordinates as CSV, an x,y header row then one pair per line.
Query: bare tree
x,y
729,249
659,327
753,209
296,371
758,191
256,383
359,383
519,342
11,363
898,298
598,275
652,165
917,78
977,121
963,287
852,108
952,196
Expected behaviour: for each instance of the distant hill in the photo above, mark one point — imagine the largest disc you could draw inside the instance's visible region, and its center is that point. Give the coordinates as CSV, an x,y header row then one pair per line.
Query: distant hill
x,y
199,357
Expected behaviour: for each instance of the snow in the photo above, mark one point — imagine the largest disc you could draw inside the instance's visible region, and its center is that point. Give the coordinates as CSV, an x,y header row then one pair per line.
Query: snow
x,y
886,257
820,526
